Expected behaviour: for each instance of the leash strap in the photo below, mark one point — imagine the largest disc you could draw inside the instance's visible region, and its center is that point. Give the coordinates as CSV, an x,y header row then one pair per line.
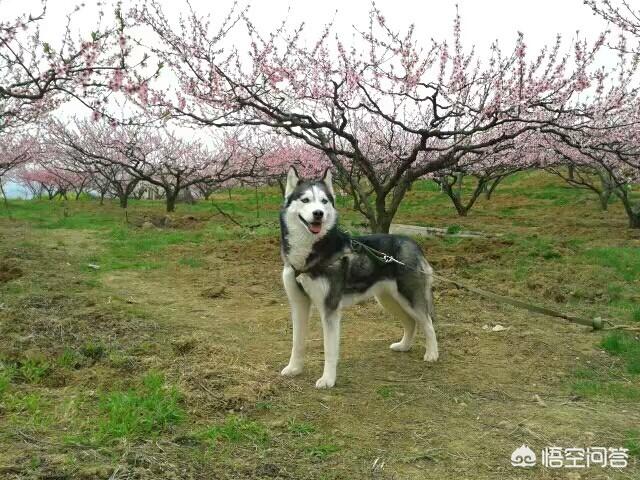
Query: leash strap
x,y
596,323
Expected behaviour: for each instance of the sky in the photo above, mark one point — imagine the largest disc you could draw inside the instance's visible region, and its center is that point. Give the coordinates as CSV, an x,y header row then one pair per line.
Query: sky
x,y
483,21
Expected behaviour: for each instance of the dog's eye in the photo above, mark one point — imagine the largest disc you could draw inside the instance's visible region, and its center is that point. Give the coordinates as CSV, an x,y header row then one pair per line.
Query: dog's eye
x,y
324,200
304,200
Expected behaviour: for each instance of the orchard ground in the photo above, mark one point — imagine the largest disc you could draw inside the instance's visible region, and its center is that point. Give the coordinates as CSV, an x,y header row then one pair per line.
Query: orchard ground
x,y
150,347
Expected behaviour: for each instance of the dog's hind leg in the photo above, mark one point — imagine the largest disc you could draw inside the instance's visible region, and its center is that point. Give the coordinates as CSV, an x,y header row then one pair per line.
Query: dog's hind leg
x,y
300,309
391,305
421,314
431,351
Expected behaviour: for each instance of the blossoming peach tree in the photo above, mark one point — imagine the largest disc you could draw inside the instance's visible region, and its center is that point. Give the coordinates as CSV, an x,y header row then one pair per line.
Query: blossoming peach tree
x,y
385,111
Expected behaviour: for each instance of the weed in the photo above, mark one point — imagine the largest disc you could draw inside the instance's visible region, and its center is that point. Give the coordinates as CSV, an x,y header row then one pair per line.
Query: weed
x,y
34,370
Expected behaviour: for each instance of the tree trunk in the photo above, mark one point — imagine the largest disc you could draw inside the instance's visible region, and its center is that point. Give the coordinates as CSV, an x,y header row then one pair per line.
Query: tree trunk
x,y
633,211
454,196
604,200
171,202
102,198
4,196
381,224
460,209
124,201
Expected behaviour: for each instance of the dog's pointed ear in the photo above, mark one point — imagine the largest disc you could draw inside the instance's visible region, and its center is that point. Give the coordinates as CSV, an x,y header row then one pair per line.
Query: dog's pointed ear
x,y
328,181
292,181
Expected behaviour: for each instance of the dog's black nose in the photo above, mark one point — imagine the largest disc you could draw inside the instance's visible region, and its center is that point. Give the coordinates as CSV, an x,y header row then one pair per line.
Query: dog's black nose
x,y
318,214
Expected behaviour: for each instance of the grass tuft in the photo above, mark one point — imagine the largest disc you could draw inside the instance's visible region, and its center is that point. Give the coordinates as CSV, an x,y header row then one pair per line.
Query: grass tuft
x,y
236,429
300,429
145,411
625,346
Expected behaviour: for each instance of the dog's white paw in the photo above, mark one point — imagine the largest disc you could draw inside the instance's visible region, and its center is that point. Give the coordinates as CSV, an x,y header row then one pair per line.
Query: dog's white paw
x,y
291,370
400,347
431,355
325,382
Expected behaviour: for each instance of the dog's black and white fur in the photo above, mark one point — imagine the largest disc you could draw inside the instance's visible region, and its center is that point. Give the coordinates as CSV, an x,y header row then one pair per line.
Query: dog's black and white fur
x,y
322,267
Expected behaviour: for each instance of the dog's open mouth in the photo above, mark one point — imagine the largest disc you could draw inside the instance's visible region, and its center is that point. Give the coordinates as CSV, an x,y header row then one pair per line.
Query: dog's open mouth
x,y
313,227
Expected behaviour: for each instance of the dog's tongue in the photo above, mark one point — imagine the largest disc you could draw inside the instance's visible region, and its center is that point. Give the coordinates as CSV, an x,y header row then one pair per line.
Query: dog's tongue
x,y
315,227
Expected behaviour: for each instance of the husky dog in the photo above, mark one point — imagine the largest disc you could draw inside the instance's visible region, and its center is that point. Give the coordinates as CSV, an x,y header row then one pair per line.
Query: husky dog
x,y
328,268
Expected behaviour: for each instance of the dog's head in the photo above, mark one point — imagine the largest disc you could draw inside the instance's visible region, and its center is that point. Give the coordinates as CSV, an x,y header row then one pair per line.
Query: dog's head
x,y
310,203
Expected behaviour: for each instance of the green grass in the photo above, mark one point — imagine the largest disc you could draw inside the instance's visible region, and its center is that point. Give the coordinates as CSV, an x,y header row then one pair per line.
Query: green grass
x,y
632,442
30,409
69,359
625,346
321,451
624,261
34,370
237,429
300,428
143,412
602,384
605,390
93,350
5,382
385,391
590,262
191,262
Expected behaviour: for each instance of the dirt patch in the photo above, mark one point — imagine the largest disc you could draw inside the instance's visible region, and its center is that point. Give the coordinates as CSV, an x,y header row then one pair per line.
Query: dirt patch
x,y
9,271
173,221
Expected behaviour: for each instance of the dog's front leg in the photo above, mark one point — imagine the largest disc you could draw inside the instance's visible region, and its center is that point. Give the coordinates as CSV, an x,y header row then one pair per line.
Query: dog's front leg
x,y
331,333
300,308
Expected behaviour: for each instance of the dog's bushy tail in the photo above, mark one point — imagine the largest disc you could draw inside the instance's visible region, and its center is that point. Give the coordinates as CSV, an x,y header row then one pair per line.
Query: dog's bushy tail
x,y
428,281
